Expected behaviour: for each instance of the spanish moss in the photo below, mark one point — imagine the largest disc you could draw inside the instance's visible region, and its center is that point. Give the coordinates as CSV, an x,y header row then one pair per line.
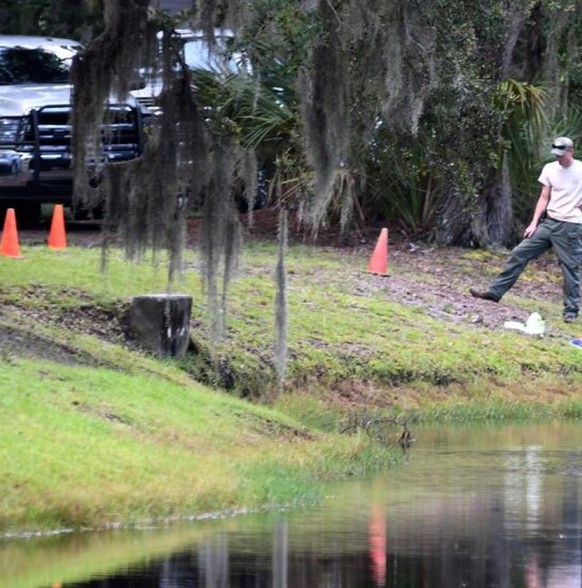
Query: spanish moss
x,y
221,234
281,300
322,91
106,70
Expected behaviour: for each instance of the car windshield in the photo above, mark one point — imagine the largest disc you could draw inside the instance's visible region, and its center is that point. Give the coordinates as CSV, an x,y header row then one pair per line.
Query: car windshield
x,y
23,65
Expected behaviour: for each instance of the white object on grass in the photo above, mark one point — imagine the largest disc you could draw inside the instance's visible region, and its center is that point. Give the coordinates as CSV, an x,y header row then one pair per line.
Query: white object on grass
x,y
534,325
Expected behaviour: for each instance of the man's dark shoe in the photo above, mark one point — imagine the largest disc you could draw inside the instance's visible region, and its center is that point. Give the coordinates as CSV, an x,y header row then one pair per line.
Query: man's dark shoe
x,y
570,317
483,295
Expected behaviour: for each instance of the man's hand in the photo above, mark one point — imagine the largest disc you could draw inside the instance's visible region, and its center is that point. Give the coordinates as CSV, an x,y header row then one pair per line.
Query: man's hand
x,y
530,229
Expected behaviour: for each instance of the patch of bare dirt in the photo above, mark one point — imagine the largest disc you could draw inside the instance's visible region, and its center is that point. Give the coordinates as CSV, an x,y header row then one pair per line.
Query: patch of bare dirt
x,y
20,335
16,342
440,284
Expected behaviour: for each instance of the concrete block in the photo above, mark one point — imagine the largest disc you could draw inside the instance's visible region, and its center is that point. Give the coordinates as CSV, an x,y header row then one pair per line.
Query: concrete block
x,y
161,323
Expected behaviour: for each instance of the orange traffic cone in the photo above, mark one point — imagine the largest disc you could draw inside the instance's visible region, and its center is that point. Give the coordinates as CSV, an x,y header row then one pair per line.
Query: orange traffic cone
x,y
9,246
57,237
379,260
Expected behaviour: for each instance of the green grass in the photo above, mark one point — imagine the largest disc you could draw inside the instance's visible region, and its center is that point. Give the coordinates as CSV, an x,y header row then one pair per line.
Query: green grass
x,y
85,447
132,438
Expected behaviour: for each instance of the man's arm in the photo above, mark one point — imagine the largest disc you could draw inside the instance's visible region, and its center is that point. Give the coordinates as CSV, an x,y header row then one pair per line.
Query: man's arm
x,y
539,210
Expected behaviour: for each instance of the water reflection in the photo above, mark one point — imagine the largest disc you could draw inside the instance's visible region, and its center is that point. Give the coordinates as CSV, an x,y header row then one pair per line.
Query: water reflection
x,y
479,507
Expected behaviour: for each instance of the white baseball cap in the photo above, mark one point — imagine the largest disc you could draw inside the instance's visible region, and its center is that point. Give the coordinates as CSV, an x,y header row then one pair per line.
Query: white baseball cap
x,y
561,145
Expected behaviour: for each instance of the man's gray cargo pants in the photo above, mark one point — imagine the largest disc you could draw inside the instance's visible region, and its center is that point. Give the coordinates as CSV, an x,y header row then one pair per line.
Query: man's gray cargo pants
x,y
566,239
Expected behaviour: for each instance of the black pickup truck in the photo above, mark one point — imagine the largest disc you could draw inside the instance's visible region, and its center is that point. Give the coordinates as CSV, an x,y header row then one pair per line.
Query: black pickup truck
x,y
35,130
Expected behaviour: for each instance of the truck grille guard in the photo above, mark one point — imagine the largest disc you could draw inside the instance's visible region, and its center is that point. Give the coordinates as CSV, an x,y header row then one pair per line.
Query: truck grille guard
x,y
45,151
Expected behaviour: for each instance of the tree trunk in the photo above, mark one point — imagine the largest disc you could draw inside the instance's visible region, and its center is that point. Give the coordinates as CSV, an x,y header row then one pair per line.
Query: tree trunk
x,y
494,225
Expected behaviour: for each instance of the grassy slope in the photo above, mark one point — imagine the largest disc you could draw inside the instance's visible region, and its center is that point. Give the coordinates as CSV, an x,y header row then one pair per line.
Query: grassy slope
x,y
85,446
139,439
136,439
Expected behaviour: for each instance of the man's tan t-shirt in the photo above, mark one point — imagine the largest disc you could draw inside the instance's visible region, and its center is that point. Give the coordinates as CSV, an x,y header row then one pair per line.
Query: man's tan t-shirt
x,y
566,190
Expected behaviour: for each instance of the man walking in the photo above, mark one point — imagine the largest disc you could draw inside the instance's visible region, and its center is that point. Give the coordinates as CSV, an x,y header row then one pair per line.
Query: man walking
x,y
560,199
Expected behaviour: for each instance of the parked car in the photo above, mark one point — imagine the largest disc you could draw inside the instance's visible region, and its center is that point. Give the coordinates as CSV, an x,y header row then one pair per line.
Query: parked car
x,y
35,129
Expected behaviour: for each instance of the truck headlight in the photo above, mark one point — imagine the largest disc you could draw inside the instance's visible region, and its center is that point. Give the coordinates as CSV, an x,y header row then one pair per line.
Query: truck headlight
x,y
11,130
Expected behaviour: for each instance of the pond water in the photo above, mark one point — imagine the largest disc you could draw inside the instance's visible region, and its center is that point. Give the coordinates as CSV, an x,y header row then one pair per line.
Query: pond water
x,y
479,506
